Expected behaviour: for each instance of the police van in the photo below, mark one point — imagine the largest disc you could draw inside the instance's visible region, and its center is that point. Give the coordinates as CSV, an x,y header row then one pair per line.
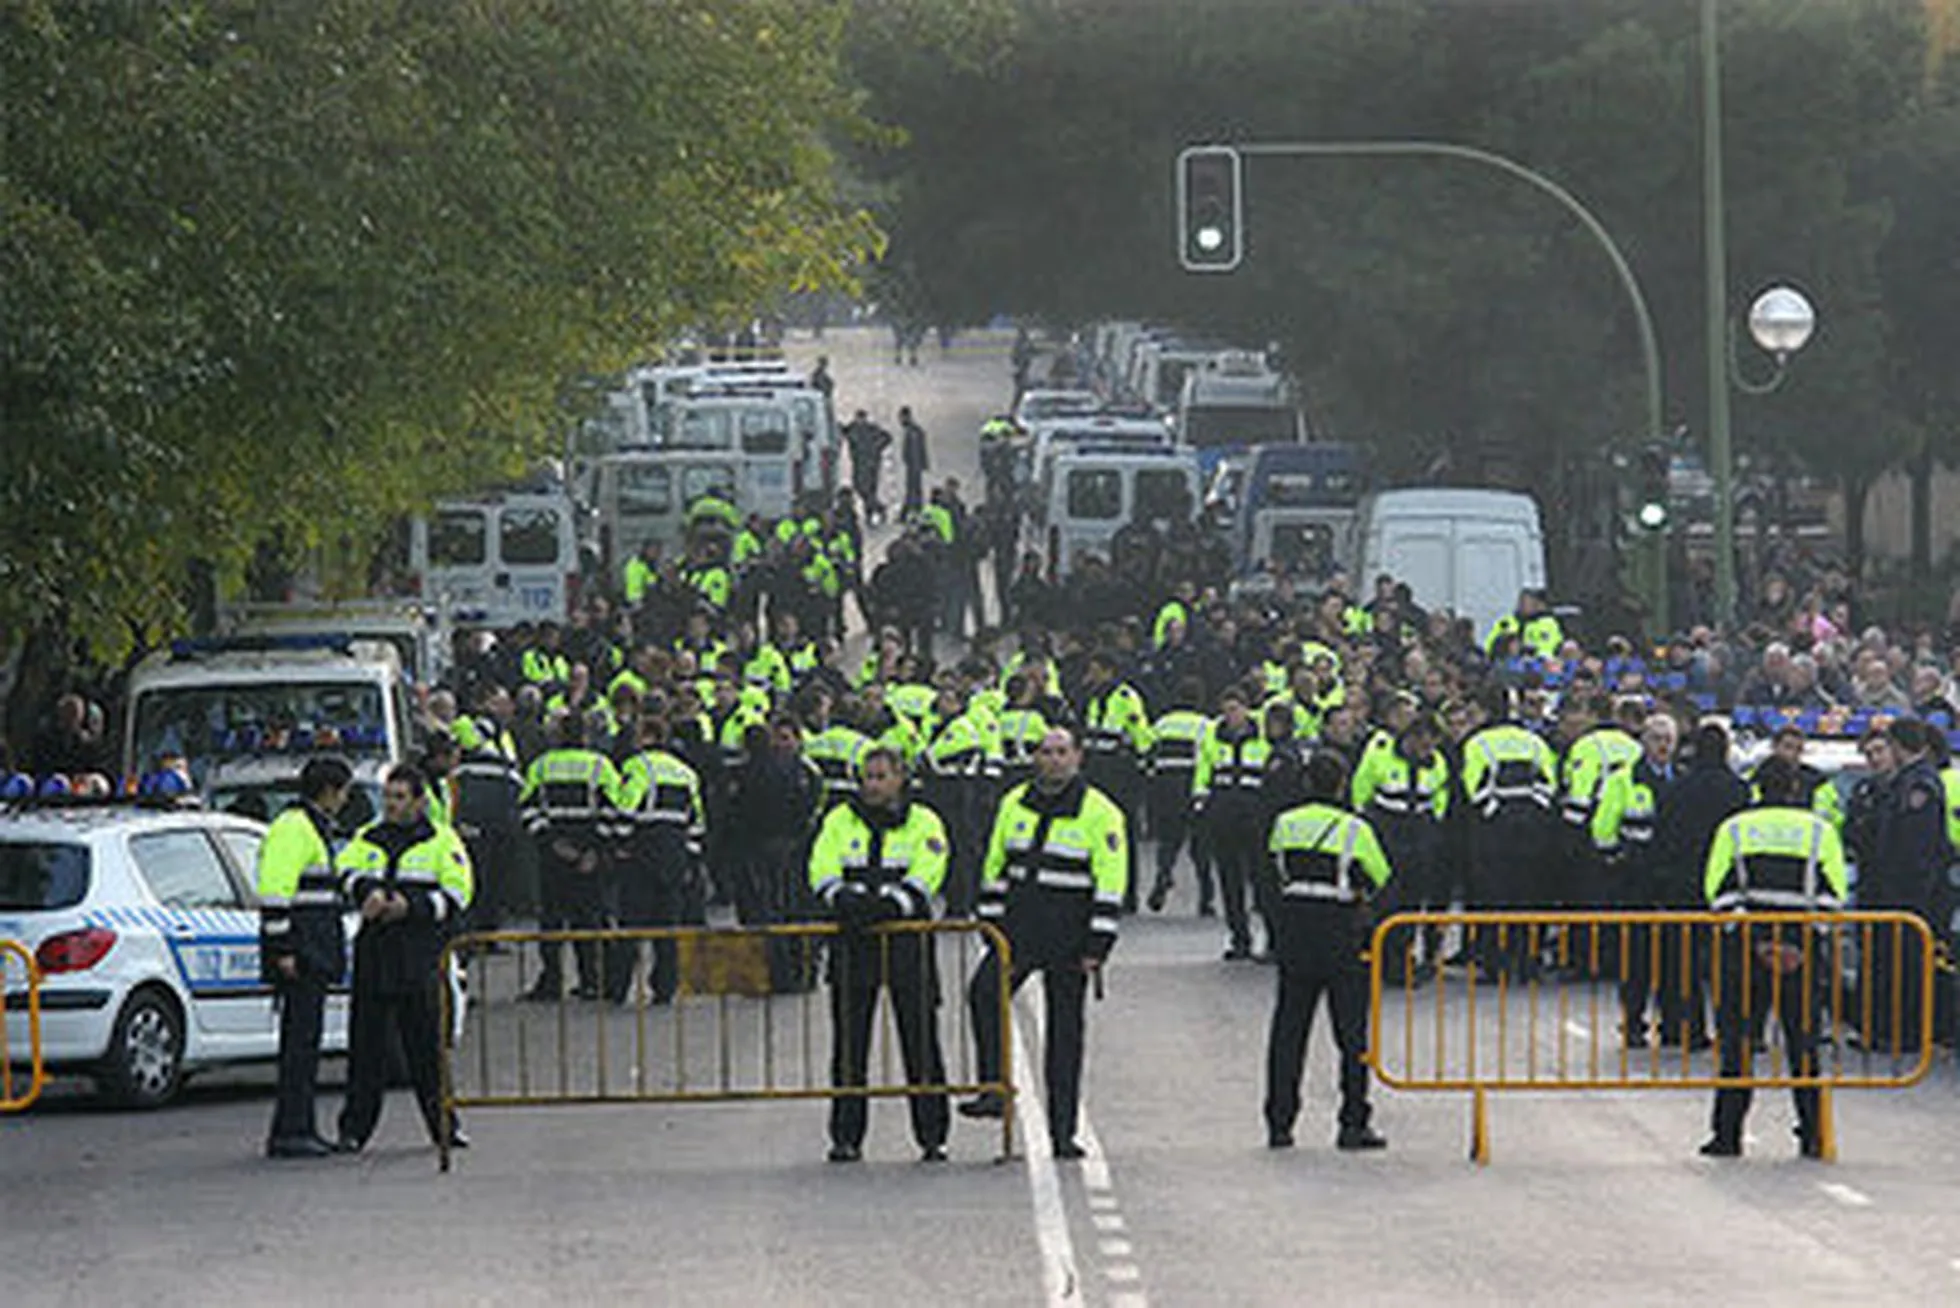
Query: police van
x,y
1293,508
499,559
1108,429
1234,403
642,496
271,697
144,922
1468,551
757,431
1094,491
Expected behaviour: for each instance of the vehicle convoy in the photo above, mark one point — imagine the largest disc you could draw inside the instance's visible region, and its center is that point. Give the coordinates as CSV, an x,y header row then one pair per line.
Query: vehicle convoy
x,y
416,630
272,697
1469,551
642,496
144,923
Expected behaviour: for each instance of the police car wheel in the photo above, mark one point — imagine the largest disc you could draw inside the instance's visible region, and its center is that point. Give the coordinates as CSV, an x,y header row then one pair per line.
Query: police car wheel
x,y
145,1064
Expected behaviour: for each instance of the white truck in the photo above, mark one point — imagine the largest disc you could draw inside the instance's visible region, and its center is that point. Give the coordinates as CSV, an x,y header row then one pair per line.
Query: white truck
x,y
1468,551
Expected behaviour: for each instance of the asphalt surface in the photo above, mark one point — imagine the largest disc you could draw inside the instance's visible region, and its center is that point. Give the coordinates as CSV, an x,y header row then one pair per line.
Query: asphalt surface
x,y
1589,1198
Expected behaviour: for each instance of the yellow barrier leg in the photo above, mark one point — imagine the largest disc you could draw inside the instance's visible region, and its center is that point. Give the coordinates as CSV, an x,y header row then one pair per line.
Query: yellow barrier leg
x,y
1479,1127
1826,1126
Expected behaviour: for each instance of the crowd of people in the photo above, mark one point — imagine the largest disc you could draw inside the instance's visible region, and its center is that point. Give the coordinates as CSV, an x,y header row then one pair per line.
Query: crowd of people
x,y
692,739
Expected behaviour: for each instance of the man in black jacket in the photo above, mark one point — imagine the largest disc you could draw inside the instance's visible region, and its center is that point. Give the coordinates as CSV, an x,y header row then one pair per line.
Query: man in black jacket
x,y
1707,794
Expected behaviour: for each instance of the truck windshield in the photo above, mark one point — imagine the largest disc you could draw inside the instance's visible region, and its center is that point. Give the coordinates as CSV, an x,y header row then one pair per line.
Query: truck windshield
x,y
210,722
1215,425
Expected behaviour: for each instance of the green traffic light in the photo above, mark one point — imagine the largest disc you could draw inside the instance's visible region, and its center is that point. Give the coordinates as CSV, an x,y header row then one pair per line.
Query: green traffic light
x,y
1652,515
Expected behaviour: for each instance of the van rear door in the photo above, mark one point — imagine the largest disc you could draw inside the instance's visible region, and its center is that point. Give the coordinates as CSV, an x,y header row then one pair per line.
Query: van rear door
x,y
536,555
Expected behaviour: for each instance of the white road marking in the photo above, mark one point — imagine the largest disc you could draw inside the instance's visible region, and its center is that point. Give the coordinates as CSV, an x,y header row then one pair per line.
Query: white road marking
x,y
1115,1248
1845,1195
1123,1272
1107,1221
1102,1201
1128,1299
1059,1278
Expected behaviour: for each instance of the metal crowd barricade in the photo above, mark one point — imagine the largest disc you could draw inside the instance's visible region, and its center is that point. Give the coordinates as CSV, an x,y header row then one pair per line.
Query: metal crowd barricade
x,y
13,1097
1537,1003
707,1044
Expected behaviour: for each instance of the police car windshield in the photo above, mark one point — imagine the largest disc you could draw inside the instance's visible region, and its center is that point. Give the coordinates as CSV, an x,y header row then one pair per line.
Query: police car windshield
x,y
207,723
35,876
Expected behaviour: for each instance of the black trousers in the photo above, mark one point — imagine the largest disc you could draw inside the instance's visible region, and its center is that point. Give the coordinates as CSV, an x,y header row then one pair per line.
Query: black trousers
x,y
490,854
1739,1024
645,893
570,900
1305,974
302,1013
1239,847
1065,986
1170,813
768,889
1411,846
413,1015
1899,952
1683,982
861,967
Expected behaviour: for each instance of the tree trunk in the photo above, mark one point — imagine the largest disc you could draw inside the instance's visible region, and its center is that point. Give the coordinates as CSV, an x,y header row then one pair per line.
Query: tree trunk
x,y
1921,471
1855,490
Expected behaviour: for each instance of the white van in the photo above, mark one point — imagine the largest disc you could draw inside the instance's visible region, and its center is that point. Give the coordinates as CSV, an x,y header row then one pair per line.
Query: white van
x,y
267,697
1093,492
644,496
757,430
1468,551
499,559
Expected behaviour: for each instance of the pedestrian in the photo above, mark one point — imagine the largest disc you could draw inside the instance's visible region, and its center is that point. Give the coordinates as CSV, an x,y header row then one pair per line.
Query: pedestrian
x,y
1056,868
881,858
1905,873
1780,857
410,879
1225,799
661,796
1623,831
1705,794
302,945
867,442
1508,785
1328,865
1174,739
912,454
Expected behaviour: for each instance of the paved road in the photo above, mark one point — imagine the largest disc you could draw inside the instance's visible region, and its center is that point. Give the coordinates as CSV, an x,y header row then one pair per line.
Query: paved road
x,y
1598,1199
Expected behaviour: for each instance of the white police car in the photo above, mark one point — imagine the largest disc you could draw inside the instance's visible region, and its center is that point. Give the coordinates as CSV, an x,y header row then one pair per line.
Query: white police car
x,y
144,922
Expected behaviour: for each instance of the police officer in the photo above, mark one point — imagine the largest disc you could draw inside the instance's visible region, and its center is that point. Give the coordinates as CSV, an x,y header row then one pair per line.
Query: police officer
x,y
1402,789
1115,738
1598,746
487,784
1623,825
959,764
1508,783
1053,881
836,747
661,798
570,797
302,945
1906,870
1328,864
411,881
881,858
1705,794
1225,795
1780,857
1174,739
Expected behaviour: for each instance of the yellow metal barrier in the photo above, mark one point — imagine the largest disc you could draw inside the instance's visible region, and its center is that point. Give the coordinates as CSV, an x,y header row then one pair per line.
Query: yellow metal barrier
x,y
14,1100
725,1036
1559,1001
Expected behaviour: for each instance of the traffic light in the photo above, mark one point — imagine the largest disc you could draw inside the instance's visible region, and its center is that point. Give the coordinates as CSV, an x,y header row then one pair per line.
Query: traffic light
x,y
1650,507
1210,226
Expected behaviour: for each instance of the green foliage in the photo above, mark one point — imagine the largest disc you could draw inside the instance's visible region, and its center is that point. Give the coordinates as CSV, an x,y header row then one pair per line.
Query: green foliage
x,y
291,269
1433,307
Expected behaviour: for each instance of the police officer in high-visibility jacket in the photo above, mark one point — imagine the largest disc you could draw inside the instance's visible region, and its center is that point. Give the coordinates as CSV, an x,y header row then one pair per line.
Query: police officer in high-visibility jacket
x,y
1056,868
302,945
1401,786
879,857
1328,865
411,881
1623,827
665,829
570,803
1508,786
1599,744
1225,784
1115,739
1781,857
960,765
1174,739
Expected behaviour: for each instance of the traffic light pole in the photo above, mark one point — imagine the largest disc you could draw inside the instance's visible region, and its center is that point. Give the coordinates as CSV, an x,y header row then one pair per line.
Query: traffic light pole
x,y
1649,346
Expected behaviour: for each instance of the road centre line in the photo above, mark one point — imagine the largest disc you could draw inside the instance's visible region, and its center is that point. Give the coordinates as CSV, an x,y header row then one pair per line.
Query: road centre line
x,y
1062,1286
1846,1195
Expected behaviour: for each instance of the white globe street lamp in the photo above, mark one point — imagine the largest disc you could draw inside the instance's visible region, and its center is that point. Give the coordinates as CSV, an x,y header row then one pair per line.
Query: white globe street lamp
x,y
1781,320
